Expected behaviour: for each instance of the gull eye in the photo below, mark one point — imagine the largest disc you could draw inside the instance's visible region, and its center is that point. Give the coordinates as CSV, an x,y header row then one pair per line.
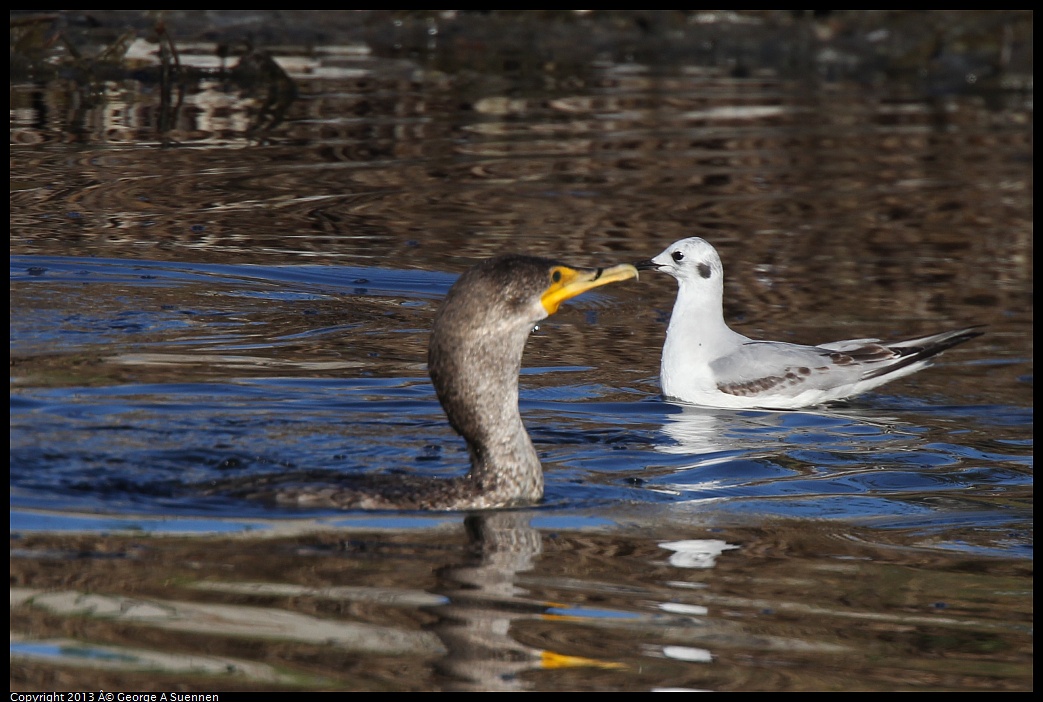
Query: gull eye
x,y
677,256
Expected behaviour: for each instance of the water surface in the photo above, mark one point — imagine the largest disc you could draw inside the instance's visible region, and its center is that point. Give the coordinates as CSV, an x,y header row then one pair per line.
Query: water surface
x,y
222,278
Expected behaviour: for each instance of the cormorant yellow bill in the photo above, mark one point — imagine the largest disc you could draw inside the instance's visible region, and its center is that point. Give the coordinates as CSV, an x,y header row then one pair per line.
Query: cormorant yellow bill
x,y
568,282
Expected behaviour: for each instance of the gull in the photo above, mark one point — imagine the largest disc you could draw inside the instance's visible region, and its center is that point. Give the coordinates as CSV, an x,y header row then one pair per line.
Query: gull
x,y
706,363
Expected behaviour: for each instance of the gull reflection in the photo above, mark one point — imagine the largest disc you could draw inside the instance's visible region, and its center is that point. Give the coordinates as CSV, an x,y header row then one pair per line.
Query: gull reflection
x,y
696,553
698,431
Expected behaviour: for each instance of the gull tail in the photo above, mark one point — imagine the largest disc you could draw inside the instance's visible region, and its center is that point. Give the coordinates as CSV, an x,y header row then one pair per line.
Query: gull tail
x,y
918,351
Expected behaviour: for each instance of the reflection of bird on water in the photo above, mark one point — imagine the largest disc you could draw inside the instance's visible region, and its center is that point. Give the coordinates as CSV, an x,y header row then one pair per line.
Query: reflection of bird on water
x,y
474,359
706,363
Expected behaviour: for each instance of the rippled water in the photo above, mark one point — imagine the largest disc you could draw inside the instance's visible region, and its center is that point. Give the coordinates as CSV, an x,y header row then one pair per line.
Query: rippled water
x,y
220,286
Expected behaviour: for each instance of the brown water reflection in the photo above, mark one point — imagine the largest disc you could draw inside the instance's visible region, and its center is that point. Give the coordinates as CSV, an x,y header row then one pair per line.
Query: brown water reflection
x,y
855,183
495,604
433,170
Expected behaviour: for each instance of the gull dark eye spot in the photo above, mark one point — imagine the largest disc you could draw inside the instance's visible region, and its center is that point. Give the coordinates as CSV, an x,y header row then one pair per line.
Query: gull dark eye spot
x,y
704,270
677,256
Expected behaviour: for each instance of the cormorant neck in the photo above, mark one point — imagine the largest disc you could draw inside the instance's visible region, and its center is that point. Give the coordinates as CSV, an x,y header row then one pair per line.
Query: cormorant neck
x,y
474,368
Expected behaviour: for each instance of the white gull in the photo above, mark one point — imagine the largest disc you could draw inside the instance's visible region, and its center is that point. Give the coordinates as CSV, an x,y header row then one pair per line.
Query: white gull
x,y
706,363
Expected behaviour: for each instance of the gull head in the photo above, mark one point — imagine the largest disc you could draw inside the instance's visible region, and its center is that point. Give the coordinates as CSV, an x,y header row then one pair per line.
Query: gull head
x,y
692,261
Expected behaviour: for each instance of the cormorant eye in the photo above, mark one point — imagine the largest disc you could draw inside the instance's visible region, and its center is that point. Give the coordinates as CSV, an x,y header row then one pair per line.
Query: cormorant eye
x,y
556,276
677,256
